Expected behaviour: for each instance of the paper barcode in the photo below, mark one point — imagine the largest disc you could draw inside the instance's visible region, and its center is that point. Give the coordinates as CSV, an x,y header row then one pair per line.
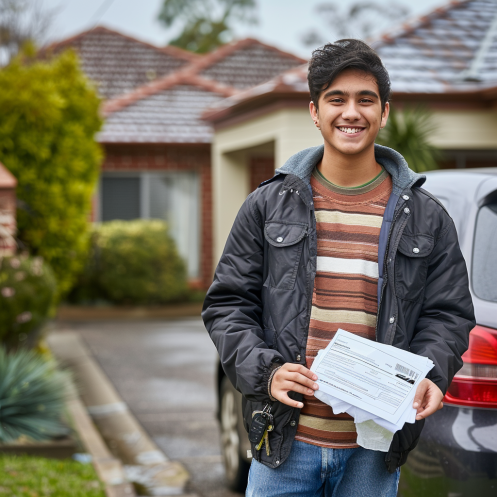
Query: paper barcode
x,y
406,371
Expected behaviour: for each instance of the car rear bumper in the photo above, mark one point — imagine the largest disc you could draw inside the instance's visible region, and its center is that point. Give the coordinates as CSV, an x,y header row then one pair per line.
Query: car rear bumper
x,y
456,456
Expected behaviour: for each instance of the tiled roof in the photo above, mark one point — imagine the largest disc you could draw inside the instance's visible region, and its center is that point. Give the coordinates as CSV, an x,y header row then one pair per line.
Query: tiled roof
x,y
454,48
449,51
119,63
147,113
245,63
171,115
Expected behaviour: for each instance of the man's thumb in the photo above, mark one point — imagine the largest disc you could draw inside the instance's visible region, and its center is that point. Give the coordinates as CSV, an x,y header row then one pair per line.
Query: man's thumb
x,y
420,393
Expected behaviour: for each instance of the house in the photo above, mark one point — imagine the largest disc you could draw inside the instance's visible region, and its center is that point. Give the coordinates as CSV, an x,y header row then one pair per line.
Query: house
x,y
8,184
446,61
157,148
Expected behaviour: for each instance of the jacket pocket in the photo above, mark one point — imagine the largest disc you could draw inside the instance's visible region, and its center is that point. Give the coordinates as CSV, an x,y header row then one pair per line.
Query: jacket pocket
x,y
284,252
411,265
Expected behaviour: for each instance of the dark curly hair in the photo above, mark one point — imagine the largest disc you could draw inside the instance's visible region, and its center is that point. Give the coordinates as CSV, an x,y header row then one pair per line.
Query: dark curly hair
x,y
329,61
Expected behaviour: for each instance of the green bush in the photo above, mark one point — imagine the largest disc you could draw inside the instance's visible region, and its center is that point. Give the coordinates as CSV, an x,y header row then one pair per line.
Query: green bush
x,y
132,262
32,396
48,120
408,131
27,297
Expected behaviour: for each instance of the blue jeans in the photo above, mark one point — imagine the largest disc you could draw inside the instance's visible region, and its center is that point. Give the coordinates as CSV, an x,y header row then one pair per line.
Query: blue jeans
x,y
312,471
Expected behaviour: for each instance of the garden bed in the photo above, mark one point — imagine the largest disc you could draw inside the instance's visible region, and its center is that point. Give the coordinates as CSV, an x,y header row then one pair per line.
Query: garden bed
x,y
97,313
28,476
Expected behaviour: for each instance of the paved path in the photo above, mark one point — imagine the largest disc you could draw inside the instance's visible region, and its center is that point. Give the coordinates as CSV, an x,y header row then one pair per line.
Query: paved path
x,y
164,370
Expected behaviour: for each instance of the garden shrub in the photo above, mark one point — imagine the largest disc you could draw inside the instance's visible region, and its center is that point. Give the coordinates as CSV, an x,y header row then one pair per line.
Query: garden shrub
x,y
133,262
27,297
32,396
48,120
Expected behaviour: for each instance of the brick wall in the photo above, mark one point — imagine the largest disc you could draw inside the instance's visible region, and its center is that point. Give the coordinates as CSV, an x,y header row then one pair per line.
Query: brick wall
x,y
261,169
195,158
7,212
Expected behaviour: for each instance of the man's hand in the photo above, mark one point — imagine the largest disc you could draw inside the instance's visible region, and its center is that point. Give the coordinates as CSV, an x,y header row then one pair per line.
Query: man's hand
x,y
428,399
293,378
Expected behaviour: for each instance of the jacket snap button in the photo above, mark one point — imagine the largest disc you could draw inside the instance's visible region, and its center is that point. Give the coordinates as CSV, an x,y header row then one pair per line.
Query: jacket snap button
x,y
298,357
415,250
405,197
293,423
406,210
279,239
392,319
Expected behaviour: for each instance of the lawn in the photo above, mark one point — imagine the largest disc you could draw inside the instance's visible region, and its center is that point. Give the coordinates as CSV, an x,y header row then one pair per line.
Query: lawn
x,y
26,476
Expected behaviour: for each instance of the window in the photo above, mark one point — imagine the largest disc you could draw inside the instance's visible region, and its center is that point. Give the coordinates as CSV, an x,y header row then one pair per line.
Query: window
x,y
171,196
485,254
120,198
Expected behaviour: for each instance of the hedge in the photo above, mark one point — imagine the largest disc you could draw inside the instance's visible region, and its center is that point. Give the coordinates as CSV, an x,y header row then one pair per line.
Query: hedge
x,y
132,262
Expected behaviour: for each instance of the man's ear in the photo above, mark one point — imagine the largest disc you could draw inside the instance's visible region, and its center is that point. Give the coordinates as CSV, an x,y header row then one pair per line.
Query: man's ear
x,y
314,113
384,115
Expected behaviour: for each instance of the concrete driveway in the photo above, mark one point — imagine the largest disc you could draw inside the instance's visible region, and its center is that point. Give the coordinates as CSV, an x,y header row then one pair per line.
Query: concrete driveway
x,y
165,372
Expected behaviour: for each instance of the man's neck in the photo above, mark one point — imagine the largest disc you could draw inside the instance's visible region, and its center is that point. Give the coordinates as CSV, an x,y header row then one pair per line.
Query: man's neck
x,y
348,170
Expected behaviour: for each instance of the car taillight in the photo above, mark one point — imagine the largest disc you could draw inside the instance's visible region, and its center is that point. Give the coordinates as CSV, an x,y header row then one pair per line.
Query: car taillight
x,y
475,385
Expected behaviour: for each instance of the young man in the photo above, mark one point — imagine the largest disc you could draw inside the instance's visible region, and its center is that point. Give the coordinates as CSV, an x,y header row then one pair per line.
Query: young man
x,y
341,237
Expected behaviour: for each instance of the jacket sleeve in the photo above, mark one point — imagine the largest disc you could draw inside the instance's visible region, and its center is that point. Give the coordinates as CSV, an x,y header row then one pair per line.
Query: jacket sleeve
x,y
447,314
232,310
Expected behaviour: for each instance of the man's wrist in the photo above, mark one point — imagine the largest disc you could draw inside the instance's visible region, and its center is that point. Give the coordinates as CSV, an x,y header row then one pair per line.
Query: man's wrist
x,y
270,381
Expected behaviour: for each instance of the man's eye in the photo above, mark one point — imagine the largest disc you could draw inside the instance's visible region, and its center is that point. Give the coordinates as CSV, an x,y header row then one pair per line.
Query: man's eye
x,y
336,100
366,100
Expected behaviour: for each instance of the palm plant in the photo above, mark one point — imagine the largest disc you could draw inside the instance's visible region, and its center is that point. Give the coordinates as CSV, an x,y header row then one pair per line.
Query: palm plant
x,y
32,395
408,132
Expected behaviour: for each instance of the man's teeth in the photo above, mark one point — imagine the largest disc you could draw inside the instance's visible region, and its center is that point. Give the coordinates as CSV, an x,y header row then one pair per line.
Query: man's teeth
x,y
350,130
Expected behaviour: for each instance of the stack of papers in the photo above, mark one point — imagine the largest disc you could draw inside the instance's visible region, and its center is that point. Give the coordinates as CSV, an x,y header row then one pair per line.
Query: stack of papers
x,y
372,382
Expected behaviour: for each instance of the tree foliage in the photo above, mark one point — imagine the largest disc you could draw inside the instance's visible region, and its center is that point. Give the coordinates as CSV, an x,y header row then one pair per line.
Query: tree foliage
x,y
48,120
359,19
205,24
22,21
408,132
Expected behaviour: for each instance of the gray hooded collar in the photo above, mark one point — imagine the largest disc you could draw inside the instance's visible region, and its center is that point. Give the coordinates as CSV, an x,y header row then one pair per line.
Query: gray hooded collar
x,y
303,163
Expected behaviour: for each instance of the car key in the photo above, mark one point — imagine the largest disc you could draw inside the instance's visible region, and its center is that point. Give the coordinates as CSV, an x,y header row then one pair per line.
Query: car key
x,y
258,427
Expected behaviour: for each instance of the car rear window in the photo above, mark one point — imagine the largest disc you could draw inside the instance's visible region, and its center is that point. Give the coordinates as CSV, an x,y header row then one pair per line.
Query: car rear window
x,y
484,277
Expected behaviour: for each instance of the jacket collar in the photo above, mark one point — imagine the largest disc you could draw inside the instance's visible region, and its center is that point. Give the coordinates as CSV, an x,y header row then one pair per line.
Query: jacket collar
x,y
302,164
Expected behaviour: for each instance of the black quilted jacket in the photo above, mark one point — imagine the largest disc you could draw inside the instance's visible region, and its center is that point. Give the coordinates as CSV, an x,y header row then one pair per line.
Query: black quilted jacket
x,y
257,310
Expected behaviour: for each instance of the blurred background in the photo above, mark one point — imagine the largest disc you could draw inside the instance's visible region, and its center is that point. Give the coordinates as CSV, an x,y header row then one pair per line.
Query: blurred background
x,y
130,135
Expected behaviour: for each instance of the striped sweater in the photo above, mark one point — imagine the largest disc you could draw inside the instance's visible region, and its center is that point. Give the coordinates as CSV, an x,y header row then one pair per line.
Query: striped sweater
x,y
348,222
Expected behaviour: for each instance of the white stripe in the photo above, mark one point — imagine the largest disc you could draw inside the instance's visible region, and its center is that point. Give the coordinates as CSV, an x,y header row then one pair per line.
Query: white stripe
x,y
347,266
353,219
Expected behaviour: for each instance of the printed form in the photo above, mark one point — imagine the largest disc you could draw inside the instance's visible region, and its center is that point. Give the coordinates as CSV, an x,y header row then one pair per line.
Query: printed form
x,y
378,378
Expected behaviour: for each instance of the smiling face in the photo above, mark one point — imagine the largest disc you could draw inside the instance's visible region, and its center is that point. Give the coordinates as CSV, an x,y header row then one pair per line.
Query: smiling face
x,y
349,113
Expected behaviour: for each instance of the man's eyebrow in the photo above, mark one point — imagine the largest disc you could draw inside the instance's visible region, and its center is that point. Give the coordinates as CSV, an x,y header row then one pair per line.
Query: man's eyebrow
x,y
362,93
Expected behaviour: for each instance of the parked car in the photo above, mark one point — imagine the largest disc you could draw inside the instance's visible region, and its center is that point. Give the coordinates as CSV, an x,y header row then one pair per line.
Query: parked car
x,y
457,453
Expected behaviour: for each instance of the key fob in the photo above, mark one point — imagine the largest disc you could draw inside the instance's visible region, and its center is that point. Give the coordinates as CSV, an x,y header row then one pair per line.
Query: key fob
x,y
258,427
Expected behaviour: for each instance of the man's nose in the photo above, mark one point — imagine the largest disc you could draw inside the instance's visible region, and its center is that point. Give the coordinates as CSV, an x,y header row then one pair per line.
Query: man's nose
x,y
351,112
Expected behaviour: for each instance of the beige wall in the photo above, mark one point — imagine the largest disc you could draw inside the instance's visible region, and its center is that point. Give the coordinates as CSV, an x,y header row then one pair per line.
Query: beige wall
x,y
291,130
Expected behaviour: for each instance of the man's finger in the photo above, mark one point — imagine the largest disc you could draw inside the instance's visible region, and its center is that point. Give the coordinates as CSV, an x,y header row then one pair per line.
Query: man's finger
x,y
285,399
303,380
431,407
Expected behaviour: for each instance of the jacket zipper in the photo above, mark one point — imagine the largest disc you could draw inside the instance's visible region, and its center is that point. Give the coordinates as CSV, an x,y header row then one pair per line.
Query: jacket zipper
x,y
385,266
385,270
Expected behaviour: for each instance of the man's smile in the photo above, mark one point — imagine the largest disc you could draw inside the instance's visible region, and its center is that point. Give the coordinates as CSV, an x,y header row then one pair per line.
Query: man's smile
x,y
351,130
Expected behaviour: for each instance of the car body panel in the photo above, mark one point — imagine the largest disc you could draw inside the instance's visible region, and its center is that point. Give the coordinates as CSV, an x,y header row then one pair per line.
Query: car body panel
x,y
457,452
